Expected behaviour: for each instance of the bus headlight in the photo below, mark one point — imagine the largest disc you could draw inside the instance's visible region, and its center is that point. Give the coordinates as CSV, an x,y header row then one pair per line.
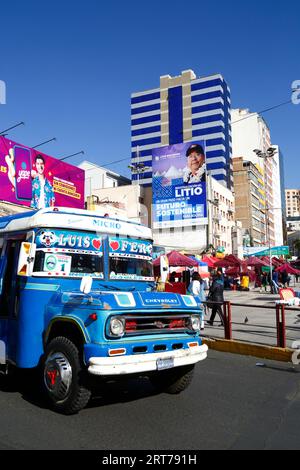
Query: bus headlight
x,y
195,322
117,326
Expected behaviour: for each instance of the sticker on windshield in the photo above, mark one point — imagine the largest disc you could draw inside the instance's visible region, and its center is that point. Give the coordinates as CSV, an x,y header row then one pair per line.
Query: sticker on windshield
x,y
130,248
69,241
60,264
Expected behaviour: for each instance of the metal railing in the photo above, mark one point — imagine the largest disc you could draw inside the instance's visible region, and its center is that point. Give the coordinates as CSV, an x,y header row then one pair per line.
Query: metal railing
x,y
280,311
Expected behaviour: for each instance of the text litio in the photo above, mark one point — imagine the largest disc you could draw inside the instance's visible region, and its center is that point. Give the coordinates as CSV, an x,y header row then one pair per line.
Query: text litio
x,y
188,192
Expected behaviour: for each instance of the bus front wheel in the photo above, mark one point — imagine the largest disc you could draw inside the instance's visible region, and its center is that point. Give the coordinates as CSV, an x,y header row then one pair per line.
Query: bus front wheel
x,y
63,376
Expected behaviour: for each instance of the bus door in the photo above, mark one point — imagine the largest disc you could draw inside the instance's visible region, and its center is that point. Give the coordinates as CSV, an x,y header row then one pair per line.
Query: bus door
x,y
9,295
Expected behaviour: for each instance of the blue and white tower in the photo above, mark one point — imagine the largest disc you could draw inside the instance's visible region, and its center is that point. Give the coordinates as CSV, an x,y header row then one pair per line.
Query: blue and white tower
x,y
183,109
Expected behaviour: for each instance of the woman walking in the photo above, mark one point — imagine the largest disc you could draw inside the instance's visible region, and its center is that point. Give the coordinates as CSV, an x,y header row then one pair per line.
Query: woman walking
x,y
196,287
216,295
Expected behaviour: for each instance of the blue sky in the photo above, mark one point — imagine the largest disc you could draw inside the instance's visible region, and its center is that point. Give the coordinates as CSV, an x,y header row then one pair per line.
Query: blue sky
x,y
70,67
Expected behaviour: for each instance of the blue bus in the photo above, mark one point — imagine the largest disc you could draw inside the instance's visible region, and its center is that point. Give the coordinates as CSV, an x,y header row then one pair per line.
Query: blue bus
x,y
78,302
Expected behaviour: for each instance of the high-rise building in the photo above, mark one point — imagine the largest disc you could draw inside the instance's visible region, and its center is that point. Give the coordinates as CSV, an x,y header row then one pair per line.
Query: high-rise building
x,y
278,197
183,109
250,206
292,202
251,133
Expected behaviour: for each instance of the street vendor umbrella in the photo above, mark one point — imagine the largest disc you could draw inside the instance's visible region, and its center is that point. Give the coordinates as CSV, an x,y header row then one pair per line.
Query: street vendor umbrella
x,y
230,260
222,263
287,268
233,260
254,261
177,259
275,263
209,261
235,271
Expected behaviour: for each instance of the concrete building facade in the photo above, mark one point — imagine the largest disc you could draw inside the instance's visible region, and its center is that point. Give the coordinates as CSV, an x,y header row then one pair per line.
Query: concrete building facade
x,y
130,201
278,197
250,132
250,205
292,202
97,177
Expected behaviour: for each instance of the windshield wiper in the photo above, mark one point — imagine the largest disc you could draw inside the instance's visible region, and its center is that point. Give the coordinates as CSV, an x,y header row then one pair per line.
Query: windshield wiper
x,y
112,288
109,287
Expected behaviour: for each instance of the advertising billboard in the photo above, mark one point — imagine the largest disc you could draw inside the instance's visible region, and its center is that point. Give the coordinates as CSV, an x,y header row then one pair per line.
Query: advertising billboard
x,y
33,179
179,185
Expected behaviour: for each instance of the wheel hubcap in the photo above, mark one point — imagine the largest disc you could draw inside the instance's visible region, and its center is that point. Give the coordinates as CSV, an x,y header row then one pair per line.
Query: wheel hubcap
x,y
58,375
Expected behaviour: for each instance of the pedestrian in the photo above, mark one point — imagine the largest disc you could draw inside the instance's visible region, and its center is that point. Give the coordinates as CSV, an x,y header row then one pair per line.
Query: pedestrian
x,y
258,280
196,288
275,286
264,281
284,278
216,295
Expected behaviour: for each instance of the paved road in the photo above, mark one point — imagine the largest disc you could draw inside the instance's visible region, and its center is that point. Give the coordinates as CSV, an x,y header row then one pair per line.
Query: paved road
x,y
231,404
260,326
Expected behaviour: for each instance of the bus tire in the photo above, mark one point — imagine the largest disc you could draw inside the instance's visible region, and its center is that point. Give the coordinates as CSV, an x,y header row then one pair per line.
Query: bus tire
x,y
63,376
173,381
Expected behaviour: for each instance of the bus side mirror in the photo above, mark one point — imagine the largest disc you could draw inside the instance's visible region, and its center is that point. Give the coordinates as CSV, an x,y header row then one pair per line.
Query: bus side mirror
x,y
86,284
26,259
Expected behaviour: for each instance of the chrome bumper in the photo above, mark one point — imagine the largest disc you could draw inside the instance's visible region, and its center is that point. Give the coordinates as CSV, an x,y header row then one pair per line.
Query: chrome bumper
x,y
121,365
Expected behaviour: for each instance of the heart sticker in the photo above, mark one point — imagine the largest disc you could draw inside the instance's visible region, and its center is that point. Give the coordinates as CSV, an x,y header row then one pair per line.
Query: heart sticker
x,y
96,243
114,245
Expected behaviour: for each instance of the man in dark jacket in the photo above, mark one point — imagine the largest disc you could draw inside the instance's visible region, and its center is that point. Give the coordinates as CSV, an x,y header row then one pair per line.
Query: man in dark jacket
x,y
216,295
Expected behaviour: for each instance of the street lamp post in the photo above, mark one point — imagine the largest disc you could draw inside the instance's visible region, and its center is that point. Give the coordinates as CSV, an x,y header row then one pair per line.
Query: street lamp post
x,y
267,209
270,152
210,202
138,169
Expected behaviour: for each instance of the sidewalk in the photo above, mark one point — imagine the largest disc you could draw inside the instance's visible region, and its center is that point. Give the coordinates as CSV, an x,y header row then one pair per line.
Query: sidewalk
x,y
252,324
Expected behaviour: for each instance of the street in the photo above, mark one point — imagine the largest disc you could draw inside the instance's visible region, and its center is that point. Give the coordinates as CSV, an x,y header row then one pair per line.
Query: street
x,y
234,402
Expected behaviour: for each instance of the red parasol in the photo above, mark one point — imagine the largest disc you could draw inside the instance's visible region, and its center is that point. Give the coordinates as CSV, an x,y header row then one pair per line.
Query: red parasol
x,y
177,259
288,268
254,261
229,260
233,260
275,263
222,263
209,261
235,271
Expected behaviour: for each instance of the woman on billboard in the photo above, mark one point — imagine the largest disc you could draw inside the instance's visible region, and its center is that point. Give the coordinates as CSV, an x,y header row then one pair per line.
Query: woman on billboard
x,y
196,168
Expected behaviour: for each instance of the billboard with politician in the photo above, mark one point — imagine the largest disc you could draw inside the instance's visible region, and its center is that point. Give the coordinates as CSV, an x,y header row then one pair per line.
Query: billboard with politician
x,y
179,185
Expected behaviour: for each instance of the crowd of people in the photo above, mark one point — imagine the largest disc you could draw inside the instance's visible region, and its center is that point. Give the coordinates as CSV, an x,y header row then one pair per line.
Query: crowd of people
x,y
265,282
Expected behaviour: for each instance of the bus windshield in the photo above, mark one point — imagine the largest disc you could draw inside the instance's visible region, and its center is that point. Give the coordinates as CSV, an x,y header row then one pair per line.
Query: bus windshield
x,y
68,253
130,259
71,264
